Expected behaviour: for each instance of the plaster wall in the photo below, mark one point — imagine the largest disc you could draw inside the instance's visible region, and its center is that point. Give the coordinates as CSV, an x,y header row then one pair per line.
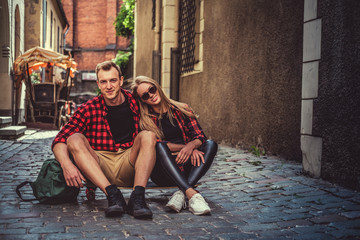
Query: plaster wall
x,y
33,16
336,110
57,21
34,25
249,92
144,38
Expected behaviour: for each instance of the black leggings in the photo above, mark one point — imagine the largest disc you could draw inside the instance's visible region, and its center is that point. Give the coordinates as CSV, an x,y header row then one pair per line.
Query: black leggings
x,y
166,172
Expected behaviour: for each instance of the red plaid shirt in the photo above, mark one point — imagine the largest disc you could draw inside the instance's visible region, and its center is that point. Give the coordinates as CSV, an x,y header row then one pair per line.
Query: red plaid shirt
x,y
90,120
189,127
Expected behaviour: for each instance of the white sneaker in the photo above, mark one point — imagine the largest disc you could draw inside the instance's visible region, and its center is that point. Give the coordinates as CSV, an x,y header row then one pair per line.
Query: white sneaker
x,y
198,205
177,201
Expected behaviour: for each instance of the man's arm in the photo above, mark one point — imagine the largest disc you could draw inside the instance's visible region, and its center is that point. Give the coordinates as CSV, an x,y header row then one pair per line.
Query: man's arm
x,y
72,175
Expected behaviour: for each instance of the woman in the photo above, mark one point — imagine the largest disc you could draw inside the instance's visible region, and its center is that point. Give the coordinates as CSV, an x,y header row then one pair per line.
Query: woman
x,y
183,153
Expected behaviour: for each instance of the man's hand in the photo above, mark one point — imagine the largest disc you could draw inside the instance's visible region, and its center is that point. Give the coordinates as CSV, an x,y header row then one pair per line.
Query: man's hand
x,y
197,157
185,153
73,176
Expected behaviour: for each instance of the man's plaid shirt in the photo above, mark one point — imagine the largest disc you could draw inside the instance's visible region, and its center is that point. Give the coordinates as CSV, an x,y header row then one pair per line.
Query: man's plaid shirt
x,y
90,120
189,127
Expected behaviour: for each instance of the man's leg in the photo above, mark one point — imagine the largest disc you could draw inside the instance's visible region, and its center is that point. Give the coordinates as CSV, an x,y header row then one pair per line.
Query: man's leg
x,y
86,160
88,163
142,156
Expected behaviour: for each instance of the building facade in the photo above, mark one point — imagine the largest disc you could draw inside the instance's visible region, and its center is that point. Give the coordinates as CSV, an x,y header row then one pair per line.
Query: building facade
x,y
92,37
24,25
45,25
280,76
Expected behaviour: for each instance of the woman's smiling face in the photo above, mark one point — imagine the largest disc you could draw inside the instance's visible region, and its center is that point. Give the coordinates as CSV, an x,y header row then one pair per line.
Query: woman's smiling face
x,y
147,89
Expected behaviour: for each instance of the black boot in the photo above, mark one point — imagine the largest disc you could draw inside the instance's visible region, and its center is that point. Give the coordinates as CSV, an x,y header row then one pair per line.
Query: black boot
x,y
116,202
137,206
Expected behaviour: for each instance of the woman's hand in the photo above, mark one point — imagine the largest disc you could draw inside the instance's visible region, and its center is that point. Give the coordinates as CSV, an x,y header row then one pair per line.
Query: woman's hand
x,y
197,157
73,176
185,153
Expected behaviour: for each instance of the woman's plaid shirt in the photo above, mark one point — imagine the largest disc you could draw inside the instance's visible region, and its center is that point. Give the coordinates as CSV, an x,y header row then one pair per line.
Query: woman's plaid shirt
x,y
189,127
90,120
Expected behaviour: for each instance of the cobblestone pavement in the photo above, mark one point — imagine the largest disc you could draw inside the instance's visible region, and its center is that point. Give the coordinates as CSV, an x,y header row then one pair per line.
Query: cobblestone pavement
x,y
251,198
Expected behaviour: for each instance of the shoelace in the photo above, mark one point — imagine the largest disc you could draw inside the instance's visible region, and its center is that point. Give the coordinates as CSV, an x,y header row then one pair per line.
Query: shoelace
x,y
140,201
117,199
184,205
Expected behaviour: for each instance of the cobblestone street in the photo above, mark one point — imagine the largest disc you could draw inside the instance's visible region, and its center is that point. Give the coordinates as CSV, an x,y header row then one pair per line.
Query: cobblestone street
x,y
250,197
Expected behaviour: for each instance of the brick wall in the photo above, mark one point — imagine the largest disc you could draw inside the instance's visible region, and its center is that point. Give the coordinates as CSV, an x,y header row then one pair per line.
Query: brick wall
x,y
92,35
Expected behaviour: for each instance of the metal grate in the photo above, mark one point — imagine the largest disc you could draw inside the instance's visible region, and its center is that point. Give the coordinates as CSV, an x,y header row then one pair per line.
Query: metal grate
x,y
187,20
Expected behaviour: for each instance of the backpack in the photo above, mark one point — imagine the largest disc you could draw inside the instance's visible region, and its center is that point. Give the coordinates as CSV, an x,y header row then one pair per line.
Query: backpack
x,y
50,186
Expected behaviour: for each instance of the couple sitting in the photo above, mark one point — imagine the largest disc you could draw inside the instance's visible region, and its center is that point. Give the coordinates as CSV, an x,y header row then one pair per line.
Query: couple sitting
x,y
122,139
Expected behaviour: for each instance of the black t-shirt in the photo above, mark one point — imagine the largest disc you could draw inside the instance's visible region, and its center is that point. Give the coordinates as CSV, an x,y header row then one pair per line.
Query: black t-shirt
x,y
121,122
172,133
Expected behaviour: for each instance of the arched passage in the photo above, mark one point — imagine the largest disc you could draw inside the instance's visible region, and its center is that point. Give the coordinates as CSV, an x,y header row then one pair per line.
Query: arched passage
x,y
5,82
17,90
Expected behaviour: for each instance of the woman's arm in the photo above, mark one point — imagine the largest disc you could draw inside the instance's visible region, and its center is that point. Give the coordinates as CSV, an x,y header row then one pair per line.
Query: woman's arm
x,y
174,147
186,151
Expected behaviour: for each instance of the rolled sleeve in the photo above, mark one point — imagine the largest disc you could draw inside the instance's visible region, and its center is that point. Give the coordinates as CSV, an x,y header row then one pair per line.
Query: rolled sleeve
x,y
76,124
195,130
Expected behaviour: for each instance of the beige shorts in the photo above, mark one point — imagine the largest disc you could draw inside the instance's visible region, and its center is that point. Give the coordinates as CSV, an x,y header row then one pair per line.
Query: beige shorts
x,y
117,167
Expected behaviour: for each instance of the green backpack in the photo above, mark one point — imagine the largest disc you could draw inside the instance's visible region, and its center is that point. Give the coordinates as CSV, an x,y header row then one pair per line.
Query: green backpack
x,y
50,186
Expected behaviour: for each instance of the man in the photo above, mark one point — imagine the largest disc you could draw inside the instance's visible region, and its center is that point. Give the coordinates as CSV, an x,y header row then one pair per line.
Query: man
x,y
102,143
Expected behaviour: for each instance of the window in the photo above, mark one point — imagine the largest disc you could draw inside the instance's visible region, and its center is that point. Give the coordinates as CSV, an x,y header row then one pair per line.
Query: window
x,y
51,27
54,37
58,39
191,24
44,21
154,14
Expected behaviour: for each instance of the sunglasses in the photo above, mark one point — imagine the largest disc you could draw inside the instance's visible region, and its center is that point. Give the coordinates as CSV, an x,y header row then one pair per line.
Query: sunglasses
x,y
146,95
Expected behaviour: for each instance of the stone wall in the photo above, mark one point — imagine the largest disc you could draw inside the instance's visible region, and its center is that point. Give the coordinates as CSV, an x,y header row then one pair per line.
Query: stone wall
x,y
336,110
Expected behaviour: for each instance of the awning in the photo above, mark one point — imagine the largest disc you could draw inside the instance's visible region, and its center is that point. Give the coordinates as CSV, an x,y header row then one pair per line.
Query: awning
x,y
39,57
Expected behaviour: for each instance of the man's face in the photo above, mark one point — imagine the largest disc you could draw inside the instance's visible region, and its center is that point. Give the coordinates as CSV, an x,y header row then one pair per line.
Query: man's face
x,y
109,84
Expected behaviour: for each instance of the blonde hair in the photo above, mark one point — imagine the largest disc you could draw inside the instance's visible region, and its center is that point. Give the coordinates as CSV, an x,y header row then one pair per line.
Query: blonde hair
x,y
146,122
106,66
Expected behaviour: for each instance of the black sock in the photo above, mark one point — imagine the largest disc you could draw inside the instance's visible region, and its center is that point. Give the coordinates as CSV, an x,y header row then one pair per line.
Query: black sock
x,y
111,188
139,190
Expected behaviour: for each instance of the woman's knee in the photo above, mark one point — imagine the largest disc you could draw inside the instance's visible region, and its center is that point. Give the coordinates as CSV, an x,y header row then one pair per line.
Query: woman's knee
x,y
211,145
161,145
162,151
